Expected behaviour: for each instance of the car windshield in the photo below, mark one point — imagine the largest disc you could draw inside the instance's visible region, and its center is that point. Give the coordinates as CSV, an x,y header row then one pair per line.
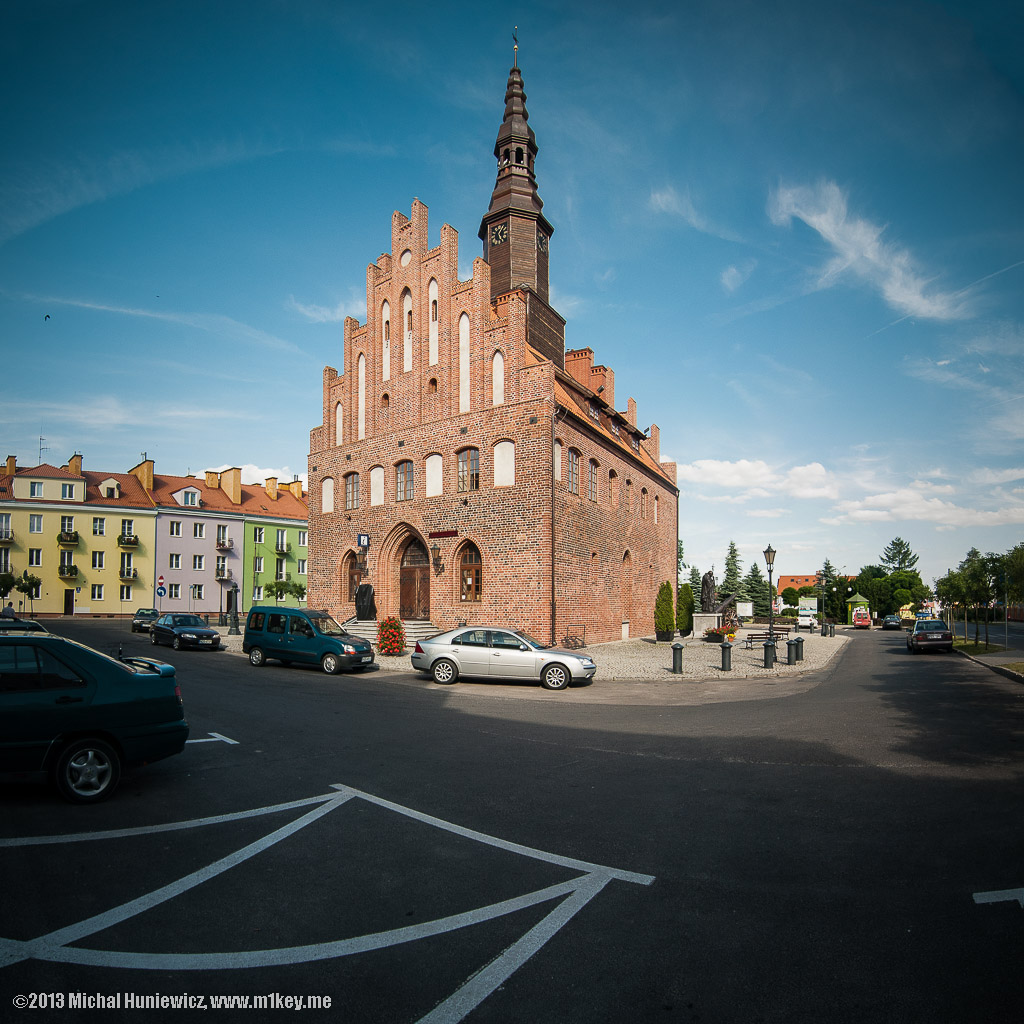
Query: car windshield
x,y
188,620
927,625
147,611
326,625
530,640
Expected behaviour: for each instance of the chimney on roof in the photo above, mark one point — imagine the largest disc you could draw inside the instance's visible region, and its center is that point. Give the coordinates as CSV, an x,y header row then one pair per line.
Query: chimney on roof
x,y
12,465
578,364
231,484
652,444
631,412
212,479
603,380
296,488
75,464
272,488
143,472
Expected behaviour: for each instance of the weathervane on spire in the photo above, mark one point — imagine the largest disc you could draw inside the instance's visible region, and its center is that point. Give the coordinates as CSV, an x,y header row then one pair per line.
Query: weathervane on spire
x,y
515,47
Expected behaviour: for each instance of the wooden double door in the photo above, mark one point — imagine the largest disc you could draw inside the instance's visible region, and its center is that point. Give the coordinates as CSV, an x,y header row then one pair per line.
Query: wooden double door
x,y
414,582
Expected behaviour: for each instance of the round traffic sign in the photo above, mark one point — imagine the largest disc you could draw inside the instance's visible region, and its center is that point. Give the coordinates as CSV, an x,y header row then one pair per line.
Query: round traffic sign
x,y
159,581
161,592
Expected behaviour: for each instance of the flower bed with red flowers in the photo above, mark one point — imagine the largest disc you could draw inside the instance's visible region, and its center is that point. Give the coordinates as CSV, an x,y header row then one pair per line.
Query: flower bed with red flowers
x,y
390,636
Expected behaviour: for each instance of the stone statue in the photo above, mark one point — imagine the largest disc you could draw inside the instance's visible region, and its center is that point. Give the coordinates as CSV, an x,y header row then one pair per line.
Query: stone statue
x,y
366,606
707,592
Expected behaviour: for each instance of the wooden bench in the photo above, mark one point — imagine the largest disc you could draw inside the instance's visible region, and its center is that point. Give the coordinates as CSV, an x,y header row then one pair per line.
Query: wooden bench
x,y
781,633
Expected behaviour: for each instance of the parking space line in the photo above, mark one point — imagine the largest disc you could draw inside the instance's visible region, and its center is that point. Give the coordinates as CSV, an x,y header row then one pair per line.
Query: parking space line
x,y
215,737
171,826
1000,896
572,895
52,946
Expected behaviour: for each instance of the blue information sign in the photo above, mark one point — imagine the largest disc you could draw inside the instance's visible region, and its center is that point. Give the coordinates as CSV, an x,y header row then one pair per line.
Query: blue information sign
x,y
161,591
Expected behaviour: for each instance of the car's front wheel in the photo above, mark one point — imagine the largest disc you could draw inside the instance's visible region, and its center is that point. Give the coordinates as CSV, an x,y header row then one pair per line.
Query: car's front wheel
x,y
176,643
555,677
444,672
87,771
330,664
257,657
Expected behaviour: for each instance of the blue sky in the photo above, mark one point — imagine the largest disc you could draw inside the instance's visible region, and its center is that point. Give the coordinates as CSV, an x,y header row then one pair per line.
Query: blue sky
x,y
794,230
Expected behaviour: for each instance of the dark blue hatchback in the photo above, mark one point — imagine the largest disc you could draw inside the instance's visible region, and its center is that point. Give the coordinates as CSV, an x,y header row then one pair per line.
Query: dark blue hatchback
x,y
76,716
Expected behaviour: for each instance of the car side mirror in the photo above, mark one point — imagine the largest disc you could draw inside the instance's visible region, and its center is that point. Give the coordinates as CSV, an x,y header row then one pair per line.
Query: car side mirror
x,y
523,647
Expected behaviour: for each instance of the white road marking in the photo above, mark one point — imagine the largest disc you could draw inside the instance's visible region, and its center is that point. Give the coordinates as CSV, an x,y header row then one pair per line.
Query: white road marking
x,y
43,947
1000,896
215,737
572,895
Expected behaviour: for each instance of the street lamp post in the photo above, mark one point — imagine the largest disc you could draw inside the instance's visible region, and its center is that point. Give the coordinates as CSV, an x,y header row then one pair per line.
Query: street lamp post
x,y
769,557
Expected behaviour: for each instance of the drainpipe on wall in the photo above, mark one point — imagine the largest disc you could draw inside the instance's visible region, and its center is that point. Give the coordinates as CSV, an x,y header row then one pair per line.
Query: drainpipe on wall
x,y
554,412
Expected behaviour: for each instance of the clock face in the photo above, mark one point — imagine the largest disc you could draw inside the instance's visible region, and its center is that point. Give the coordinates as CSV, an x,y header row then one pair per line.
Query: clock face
x,y
499,233
542,242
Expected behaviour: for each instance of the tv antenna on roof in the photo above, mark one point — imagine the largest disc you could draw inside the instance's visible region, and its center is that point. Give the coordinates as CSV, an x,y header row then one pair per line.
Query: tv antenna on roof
x,y
42,448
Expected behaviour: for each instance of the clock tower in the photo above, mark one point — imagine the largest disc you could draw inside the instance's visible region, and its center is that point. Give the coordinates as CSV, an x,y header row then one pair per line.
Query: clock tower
x,y
514,231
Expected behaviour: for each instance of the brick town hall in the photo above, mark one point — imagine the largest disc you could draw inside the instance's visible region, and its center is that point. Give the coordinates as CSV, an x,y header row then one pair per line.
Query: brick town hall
x,y
485,468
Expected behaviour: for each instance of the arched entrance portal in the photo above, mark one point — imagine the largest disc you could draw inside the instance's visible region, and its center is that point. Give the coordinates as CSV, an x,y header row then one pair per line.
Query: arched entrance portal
x,y
414,582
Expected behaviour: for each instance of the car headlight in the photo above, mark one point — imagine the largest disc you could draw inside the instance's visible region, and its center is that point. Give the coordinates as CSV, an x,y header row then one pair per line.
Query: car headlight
x,y
348,649
188,636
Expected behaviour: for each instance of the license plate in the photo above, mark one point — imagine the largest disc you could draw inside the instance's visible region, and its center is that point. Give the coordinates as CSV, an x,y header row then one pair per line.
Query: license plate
x,y
206,641
934,636
367,657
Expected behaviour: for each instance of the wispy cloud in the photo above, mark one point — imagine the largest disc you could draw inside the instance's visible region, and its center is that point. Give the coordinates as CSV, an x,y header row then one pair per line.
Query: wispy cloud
x,y
735,276
668,200
354,306
32,194
861,252
211,323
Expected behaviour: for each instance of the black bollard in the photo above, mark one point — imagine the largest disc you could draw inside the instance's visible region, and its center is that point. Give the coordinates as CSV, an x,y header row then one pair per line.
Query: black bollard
x,y
769,653
824,629
677,658
791,646
726,656
799,641
831,629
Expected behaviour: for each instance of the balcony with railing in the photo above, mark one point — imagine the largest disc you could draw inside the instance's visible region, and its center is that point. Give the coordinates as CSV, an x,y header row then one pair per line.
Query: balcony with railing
x,y
225,544
67,571
222,574
6,535
69,537
126,572
282,547
128,540
282,577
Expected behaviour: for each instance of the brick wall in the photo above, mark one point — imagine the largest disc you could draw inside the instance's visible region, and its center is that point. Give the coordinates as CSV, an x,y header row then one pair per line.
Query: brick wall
x,y
511,526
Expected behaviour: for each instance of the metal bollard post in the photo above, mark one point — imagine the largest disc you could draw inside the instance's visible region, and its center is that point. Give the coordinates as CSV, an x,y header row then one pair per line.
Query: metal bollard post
x,y
677,658
726,656
799,641
831,629
824,629
791,652
769,653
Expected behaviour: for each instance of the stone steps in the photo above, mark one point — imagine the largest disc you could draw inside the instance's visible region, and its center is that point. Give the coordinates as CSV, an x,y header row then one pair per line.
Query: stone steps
x,y
414,630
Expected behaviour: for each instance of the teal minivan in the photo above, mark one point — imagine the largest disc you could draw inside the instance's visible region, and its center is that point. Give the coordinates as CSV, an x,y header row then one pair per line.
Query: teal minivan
x,y
304,636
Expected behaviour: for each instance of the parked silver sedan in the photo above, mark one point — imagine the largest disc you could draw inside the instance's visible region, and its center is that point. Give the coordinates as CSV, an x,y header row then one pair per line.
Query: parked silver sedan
x,y
490,653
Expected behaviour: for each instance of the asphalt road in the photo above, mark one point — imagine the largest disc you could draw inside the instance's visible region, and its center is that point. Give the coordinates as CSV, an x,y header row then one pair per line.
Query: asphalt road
x,y
824,856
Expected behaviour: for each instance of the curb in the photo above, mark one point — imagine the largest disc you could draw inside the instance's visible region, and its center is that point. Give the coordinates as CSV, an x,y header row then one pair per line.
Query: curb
x,y
1007,673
